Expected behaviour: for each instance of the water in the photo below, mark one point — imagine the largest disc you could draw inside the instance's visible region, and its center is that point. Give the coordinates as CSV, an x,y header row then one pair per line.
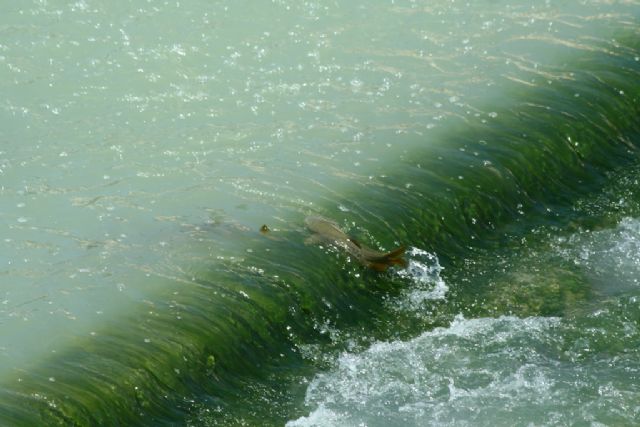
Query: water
x,y
507,369
143,144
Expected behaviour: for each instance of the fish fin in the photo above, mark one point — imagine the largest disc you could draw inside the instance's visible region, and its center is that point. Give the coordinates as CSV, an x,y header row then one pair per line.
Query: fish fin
x,y
396,253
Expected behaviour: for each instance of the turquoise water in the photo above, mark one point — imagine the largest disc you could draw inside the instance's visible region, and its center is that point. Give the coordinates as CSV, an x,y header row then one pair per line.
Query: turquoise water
x,y
143,145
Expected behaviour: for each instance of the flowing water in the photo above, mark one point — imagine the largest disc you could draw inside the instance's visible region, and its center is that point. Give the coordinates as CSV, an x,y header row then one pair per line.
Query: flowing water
x,y
143,144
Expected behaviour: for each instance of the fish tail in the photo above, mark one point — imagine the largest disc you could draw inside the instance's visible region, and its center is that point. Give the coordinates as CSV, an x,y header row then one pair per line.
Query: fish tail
x,y
395,257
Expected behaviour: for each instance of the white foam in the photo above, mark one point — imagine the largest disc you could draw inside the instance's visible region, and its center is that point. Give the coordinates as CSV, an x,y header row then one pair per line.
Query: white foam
x,y
443,377
423,271
320,417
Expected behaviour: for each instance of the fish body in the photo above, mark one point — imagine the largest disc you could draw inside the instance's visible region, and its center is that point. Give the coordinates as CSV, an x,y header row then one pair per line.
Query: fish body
x,y
328,232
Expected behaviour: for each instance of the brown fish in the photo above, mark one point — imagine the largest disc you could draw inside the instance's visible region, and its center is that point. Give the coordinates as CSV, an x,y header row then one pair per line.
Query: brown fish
x,y
328,232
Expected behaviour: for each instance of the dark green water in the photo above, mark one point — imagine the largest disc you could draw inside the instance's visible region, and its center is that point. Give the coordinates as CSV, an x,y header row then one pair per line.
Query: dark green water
x,y
521,303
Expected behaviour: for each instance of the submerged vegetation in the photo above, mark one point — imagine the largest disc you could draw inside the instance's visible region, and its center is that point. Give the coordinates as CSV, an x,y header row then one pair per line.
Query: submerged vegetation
x,y
498,207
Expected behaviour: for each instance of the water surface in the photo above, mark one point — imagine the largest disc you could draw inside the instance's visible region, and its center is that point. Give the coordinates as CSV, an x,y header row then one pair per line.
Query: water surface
x,y
143,144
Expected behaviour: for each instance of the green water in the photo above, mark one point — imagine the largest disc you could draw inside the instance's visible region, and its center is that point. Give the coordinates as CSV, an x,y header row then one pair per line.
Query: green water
x,y
499,361
143,144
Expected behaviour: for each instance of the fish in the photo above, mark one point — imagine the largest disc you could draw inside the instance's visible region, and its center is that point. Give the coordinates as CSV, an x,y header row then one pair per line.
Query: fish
x,y
328,232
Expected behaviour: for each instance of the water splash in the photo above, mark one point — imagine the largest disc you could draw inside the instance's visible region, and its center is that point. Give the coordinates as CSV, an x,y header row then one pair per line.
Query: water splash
x,y
424,272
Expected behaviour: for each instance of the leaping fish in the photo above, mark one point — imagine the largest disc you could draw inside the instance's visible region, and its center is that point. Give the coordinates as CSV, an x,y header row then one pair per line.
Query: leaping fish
x,y
328,232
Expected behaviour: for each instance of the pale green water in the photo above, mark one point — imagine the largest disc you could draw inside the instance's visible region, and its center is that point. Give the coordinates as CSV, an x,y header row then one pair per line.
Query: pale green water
x,y
142,145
